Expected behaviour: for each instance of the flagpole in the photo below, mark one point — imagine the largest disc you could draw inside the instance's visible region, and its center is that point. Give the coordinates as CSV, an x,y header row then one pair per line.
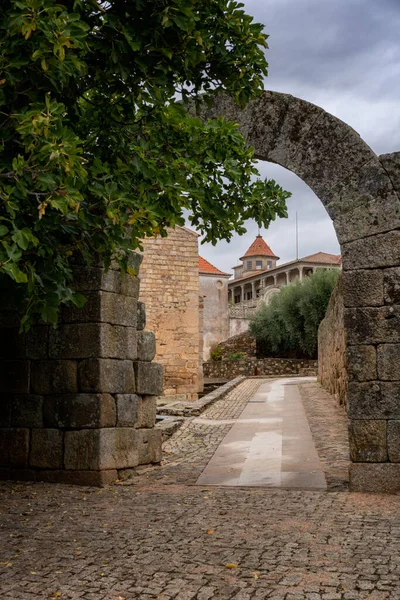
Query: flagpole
x,y
297,237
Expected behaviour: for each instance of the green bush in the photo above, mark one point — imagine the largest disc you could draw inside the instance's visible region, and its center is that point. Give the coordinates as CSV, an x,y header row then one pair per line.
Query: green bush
x,y
216,354
238,355
288,325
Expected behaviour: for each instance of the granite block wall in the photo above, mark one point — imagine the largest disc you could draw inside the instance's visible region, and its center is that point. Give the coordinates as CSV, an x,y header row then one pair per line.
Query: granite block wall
x,y
78,403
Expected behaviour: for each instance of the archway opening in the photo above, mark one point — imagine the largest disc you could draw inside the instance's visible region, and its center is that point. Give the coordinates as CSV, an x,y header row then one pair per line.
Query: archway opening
x,y
360,192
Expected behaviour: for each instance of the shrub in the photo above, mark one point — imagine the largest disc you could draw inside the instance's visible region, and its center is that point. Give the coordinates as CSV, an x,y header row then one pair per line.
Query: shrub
x,y
288,325
216,354
238,355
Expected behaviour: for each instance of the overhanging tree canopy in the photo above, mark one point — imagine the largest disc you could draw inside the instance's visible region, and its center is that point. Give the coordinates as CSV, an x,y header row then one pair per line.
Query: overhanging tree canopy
x,y
96,150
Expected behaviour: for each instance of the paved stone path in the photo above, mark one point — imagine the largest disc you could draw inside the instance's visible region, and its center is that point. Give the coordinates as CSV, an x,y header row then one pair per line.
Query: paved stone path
x,y
188,451
269,445
186,542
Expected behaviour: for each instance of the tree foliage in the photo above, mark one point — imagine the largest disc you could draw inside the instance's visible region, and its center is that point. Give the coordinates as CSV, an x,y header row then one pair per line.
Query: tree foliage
x,y
288,325
97,152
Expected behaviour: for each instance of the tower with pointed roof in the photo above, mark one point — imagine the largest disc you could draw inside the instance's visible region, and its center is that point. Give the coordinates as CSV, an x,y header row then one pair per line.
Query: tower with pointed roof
x,y
258,257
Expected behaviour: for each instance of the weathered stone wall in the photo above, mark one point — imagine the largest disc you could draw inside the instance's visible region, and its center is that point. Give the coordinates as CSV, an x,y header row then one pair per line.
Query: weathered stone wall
x,y
271,367
201,344
244,342
169,278
214,289
238,326
332,371
77,403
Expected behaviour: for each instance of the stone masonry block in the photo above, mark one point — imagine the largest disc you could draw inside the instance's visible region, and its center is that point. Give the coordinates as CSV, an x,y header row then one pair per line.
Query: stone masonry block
x,y
46,449
361,363
363,288
76,411
378,478
147,411
391,164
127,409
146,345
17,474
27,410
91,478
103,307
54,376
372,252
87,279
391,285
37,342
149,378
93,279
130,286
373,400
389,362
141,316
14,376
393,441
106,375
149,446
101,449
93,340
14,447
135,259
372,325
374,215
368,441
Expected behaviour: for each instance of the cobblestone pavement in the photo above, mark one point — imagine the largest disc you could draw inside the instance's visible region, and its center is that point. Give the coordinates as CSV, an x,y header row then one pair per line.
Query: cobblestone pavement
x,y
328,424
185,542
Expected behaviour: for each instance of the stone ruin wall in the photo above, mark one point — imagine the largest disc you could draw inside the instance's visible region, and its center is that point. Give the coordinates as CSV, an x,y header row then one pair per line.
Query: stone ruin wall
x,y
332,372
78,403
252,367
243,342
170,289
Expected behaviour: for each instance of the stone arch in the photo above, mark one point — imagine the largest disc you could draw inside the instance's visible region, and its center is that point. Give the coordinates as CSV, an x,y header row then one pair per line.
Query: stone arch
x,y
269,293
360,192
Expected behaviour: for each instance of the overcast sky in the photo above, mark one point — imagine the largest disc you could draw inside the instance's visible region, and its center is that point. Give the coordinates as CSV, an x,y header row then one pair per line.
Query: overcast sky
x,y
345,57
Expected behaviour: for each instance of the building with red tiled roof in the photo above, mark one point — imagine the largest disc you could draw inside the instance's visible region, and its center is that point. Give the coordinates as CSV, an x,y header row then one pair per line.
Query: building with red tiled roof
x,y
214,290
258,278
258,257
324,258
259,248
206,268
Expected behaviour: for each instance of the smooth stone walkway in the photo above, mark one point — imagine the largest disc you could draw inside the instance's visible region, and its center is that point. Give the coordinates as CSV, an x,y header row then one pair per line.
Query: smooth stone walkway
x,y
270,445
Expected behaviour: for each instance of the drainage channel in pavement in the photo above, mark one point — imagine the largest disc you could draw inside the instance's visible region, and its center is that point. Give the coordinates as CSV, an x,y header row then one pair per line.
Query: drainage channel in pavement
x,y
269,445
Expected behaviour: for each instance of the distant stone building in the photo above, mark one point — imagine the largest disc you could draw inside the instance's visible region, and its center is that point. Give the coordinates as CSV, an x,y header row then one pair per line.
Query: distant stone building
x,y
258,278
214,289
192,306
169,286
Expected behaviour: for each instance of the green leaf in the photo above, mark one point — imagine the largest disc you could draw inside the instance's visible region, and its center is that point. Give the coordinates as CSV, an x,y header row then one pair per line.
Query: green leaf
x,y
78,300
24,237
16,273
